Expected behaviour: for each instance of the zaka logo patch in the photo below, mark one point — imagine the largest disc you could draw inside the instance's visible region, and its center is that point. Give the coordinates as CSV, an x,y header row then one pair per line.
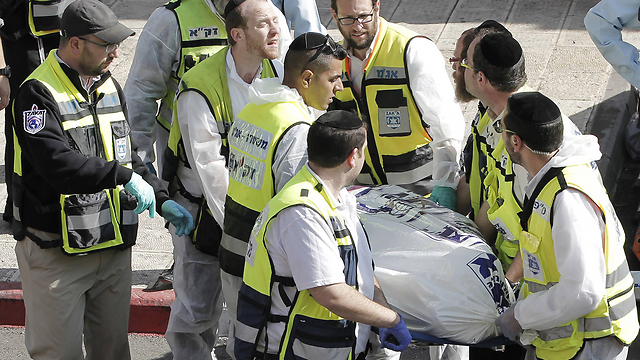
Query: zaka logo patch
x,y
34,119
485,268
393,118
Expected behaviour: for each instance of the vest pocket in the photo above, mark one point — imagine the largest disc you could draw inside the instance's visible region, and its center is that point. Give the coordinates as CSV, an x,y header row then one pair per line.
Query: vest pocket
x,y
128,217
121,142
87,219
207,233
393,113
313,339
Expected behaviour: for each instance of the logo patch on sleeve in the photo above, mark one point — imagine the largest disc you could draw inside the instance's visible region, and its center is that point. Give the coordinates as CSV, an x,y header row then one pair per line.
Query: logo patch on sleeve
x,y
34,119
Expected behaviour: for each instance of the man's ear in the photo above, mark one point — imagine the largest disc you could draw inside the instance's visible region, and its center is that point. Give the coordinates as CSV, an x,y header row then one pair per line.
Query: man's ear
x,y
335,16
305,78
237,34
74,45
351,159
516,142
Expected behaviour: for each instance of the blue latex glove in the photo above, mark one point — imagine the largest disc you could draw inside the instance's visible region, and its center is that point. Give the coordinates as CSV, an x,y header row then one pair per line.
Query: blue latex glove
x,y
151,168
444,196
508,324
178,216
144,192
399,333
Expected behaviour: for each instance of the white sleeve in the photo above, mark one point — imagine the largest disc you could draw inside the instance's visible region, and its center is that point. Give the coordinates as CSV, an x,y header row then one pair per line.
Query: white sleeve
x,y
577,233
434,95
203,145
604,22
303,14
155,57
290,155
285,34
304,247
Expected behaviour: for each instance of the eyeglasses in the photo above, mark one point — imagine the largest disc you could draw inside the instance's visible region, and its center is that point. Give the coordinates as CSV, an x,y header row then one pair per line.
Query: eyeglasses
x,y
109,48
463,62
329,43
497,126
362,19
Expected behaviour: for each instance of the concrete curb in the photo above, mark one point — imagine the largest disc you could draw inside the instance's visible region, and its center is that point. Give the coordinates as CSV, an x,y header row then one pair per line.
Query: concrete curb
x,y
149,310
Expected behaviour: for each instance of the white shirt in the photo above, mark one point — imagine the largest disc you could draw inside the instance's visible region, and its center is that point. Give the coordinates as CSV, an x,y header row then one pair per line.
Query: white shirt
x,y
435,98
577,232
203,142
302,245
155,60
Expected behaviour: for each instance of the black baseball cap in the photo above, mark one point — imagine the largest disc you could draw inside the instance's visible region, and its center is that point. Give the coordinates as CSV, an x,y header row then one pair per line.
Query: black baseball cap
x,y
84,17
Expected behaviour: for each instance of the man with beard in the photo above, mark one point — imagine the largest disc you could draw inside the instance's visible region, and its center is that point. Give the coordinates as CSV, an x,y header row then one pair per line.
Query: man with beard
x,y
78,189
211,96
396,80
578,292
470,190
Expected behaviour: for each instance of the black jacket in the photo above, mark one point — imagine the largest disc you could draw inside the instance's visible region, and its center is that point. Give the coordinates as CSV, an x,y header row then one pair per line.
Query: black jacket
x,y
50,165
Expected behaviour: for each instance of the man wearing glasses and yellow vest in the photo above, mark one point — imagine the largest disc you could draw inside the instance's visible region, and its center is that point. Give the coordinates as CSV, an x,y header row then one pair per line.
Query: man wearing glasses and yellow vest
x,y
396,81
78,188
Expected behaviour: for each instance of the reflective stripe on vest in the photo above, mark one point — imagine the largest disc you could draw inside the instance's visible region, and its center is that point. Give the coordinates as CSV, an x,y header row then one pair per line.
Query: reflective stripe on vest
x,y
253,140
616,312
310,327
398,150
203,34
503,203
478,170
104,219
44,16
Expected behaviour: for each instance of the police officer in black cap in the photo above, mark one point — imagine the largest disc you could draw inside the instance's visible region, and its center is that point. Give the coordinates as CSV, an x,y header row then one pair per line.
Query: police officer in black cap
x,y
78,190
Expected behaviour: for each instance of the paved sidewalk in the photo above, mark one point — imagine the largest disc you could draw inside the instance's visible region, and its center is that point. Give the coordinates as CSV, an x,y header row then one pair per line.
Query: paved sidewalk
x,y
561,62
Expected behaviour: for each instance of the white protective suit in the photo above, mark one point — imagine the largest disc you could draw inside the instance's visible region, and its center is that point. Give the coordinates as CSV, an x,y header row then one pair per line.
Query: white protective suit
x,y
302,14
155,60
202,147
578,230
605,22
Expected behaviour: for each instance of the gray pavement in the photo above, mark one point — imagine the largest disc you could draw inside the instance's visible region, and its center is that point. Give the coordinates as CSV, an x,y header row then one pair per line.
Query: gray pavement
x,y
561,62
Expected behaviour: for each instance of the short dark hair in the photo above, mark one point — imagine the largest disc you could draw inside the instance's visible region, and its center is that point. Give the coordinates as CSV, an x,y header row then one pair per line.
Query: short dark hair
x,y
536,119
334,5
235,19
328,147
297,61
507,79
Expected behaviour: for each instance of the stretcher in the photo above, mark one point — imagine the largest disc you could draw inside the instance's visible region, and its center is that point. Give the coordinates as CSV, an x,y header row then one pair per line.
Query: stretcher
x,y
432,340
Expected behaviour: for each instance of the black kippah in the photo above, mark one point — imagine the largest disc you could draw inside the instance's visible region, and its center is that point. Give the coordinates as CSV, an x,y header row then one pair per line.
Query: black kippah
x,y
500,50
308,41
340,119
492,24
533,108
232,4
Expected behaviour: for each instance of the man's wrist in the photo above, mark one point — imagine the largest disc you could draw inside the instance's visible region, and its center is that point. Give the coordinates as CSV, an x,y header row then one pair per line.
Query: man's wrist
x,y
6,71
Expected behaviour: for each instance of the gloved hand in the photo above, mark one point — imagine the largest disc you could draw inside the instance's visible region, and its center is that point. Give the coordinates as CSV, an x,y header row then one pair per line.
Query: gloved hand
x,y
151,168
178,216
145,194
399,332
445,196
508,324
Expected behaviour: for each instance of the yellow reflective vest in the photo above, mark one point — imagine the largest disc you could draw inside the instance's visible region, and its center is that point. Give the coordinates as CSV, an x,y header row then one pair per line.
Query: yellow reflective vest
x,y
45,15
203,34
398,150
616,313
253,141
90,222
311,330
209,79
